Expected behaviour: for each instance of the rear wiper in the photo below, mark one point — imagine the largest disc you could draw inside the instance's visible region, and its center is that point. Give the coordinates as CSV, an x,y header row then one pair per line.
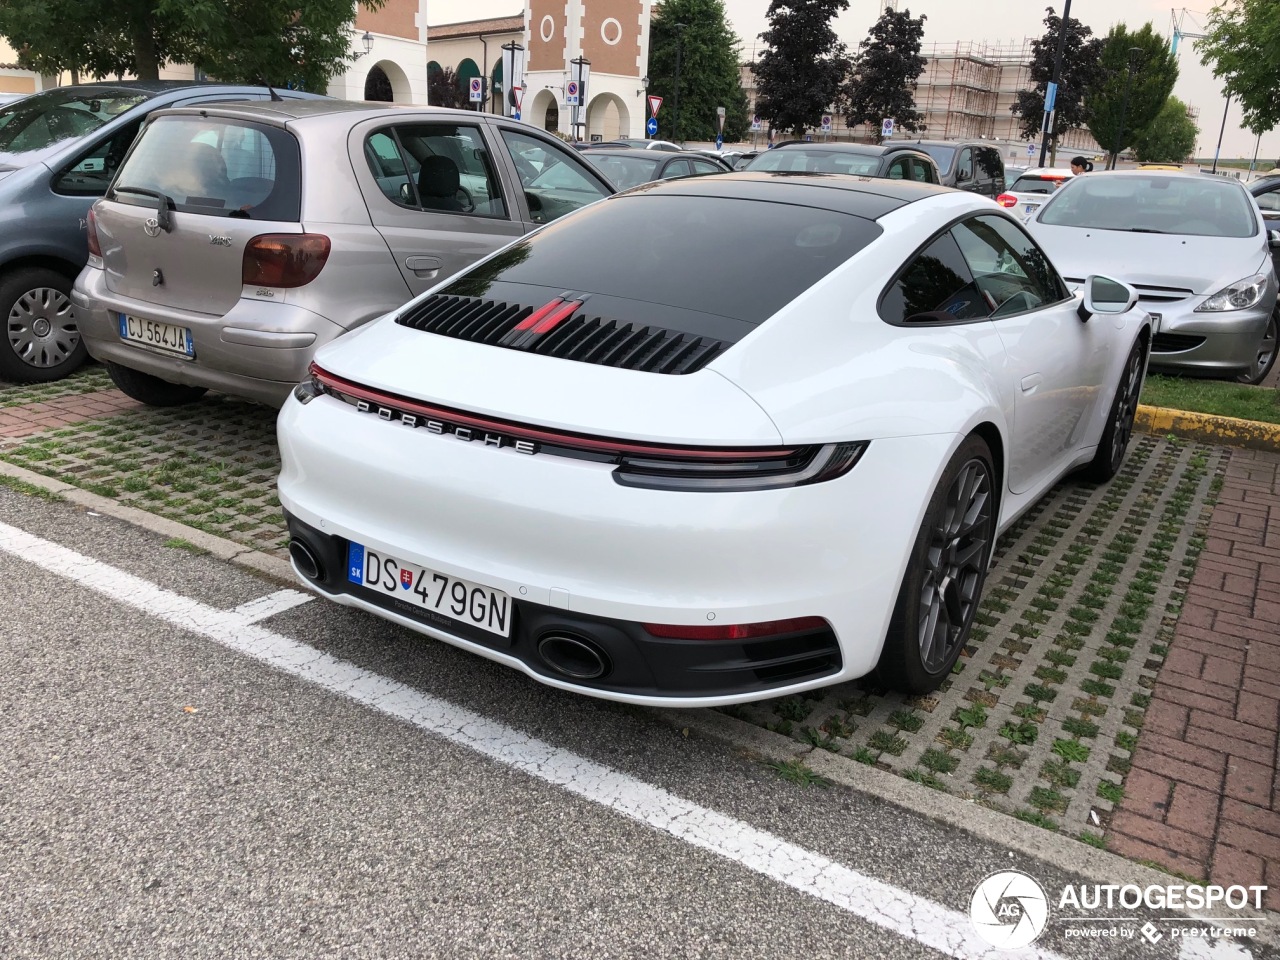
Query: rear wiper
x,y
164,204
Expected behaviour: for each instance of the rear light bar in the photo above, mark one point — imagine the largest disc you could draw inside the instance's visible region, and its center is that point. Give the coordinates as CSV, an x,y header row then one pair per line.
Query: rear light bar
x,y
284,259
653,466
1007,200
735,631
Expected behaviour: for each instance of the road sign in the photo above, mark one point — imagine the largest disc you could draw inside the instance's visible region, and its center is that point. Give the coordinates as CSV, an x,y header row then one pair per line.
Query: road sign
x,y
515,115
652,127
886,128
654,104
1031,149
720,112
571,94
826,123
756,124
477,89
719,142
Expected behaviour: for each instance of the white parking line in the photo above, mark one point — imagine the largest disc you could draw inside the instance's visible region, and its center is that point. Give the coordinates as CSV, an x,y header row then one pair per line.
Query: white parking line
x,y
273,603
892,908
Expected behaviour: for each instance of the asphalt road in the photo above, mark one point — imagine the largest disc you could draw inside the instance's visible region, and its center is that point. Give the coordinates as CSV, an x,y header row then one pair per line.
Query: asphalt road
x,y
164,792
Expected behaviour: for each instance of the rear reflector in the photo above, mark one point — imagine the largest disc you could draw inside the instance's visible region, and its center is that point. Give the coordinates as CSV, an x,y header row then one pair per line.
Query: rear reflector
x,y
91,230
735,631
284,259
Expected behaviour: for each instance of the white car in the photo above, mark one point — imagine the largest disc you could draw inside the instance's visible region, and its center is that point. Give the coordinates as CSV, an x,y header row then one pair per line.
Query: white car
x,y
1032,188
637,460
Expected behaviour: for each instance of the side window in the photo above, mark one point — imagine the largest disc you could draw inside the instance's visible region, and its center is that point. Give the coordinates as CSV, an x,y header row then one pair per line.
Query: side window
x,y
898,169
936,287
964,166
1010,271
990,164
1269,201
441,167
703,167
91,172
554,181
920,171
676,168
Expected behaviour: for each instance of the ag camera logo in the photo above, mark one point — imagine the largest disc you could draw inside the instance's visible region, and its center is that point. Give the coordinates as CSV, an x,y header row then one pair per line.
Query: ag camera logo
x,y
1009,910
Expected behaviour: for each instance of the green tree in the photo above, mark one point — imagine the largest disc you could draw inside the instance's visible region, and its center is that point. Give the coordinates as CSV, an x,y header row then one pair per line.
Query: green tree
x,y
709,69
1079,72
885,73
1169,138
1243,46
800,73
1152,81
299,42
444,89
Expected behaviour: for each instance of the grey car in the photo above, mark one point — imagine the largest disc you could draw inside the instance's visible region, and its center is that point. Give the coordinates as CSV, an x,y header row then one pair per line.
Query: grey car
x,y
238,239
894,160
974,166
629,168
58,151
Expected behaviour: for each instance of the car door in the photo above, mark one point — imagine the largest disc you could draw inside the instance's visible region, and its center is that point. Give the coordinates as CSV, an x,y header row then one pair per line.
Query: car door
x,y
1269,203
991,172
965,170
76,184
1055,364
433,193
551,181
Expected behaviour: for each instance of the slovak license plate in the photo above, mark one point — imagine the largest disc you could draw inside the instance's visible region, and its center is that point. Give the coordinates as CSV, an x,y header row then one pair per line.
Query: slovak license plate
x,y
436,593
160,336
1030,207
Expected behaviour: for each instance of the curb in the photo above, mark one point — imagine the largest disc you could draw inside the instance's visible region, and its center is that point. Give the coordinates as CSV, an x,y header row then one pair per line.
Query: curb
x,y
1208,428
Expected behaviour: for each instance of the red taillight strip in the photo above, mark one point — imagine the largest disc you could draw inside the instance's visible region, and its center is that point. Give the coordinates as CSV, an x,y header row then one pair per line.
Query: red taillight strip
x,y
537,315
522,432
551,322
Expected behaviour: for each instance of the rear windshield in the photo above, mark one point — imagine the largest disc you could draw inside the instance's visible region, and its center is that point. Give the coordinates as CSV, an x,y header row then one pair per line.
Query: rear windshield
x,y
941,155
1191,206
625,172
727,257
43,119
222,168
1037,184
799,160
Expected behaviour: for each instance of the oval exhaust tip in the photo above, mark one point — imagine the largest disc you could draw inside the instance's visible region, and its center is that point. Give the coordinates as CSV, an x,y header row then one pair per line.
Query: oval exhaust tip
x,y
572,657
304,560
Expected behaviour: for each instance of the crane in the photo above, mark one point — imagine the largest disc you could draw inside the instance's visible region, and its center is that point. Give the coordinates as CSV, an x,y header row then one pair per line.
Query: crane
x,y
1179,18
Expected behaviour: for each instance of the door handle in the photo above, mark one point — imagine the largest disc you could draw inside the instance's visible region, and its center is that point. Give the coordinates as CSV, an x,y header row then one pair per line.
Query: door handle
x,y
1030,383
423,266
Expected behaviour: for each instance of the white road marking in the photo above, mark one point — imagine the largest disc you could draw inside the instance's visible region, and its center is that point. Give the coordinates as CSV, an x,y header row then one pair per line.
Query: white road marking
x,y
273,603
892,908
1198,948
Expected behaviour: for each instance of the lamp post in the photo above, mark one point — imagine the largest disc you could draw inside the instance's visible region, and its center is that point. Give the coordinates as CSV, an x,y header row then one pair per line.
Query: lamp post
x,y
1135,60
1051,92
367,40
581,72
1218,152
675,124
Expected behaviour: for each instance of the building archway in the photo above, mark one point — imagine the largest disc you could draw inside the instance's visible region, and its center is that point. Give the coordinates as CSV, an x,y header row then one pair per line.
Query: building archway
x,y
608,117
386,82
541,110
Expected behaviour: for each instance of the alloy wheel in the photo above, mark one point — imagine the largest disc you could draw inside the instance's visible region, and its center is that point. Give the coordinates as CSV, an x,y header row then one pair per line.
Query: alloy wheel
x,y
1266,351
1126,407
42,327
959,543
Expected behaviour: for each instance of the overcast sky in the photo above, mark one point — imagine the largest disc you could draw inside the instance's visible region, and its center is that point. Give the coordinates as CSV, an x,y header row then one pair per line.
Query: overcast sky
x,y
1001,22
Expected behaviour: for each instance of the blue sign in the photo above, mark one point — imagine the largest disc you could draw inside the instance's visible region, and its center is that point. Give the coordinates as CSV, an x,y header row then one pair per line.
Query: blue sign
x,y
1050,97
1031,149
515,115
719,142
652,126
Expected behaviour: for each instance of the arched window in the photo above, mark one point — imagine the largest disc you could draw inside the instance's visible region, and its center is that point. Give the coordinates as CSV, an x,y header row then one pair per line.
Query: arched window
x,y
377,86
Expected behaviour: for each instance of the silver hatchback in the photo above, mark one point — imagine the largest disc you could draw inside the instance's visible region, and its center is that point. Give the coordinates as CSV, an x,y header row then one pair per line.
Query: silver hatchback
x,y
238,239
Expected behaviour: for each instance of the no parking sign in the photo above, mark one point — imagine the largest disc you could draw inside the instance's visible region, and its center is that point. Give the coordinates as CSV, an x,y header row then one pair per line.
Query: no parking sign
x,y
571,93
477,89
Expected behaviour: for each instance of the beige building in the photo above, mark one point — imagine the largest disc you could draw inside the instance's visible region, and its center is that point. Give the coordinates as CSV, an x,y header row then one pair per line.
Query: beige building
x,y
474,49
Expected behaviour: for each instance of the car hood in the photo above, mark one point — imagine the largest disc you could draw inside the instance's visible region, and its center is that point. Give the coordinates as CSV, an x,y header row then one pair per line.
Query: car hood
x,y
1203,265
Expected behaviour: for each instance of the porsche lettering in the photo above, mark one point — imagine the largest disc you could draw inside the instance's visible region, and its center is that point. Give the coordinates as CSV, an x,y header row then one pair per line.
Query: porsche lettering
x,y
442,428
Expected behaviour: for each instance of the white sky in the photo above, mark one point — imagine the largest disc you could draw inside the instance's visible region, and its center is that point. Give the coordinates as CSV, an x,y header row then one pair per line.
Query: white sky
x,y
993,22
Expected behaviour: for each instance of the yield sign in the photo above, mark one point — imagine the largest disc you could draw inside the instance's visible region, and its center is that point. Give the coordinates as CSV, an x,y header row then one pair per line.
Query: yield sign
x,y
654,104
518,95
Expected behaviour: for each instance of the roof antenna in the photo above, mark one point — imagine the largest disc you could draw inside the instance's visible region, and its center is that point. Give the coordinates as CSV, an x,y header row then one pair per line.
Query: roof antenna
x,y
275,97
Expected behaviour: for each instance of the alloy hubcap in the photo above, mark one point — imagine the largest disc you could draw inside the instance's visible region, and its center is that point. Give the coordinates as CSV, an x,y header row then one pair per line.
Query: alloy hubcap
x,y
1126,408
1266,349
42,327
959,543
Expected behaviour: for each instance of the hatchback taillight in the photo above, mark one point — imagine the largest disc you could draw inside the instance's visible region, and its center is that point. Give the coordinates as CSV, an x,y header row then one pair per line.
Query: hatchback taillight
x,y
91,233
1007,200
284,259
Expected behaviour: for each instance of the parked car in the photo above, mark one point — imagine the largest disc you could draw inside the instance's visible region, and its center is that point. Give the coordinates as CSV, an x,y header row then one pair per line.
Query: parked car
x,y
711,489
1032,188
967,165
628,168
893,161
625,144
237,239
1266,193
58,151
1194,247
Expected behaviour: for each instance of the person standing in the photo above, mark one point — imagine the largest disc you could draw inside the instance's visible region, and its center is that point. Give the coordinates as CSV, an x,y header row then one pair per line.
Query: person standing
x,y
1081,165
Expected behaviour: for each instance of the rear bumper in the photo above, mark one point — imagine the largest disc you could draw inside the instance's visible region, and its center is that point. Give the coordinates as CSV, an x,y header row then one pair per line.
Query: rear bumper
x,y
256,350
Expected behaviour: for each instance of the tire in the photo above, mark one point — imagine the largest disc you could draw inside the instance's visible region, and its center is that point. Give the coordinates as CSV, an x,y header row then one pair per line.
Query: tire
x,y
1124,406
943,584
1266,352
150,390
42,339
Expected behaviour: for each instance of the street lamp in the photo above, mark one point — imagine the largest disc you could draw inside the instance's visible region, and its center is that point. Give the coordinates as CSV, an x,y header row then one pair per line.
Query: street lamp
x,y
582,72
645,82
675,125
1135,60
367,40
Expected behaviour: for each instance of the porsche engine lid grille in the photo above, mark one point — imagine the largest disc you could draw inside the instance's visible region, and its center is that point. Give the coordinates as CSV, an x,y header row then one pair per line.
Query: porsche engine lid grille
x,y
563,329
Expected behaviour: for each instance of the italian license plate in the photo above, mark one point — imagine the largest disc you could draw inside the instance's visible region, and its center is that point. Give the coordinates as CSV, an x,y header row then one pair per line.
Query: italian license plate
x,y
160,336
440,596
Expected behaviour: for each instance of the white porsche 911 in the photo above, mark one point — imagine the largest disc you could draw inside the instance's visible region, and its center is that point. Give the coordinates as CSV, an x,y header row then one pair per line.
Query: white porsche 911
x,y
711,440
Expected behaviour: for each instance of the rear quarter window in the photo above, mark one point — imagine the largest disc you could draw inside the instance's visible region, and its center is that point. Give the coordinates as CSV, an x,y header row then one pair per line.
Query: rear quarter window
x,y
217,167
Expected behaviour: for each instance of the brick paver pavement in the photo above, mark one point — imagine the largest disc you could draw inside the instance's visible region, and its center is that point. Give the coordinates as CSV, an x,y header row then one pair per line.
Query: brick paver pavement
x,y
1203,797
51,414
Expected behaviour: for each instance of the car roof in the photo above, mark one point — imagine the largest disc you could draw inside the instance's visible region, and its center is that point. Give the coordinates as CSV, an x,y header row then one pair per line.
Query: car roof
x,y
1043,171
867,197
639,152
284,111
157,87
956,143
868,149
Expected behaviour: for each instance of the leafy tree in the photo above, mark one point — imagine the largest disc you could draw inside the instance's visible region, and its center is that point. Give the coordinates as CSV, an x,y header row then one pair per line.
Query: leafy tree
x,y
1153,80
1169,138
444,89
303,43
1243,45
800,73
885,72
1079,72
709,73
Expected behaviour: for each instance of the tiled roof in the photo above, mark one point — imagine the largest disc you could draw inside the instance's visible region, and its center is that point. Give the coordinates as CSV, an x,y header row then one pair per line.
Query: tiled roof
x,y
473,28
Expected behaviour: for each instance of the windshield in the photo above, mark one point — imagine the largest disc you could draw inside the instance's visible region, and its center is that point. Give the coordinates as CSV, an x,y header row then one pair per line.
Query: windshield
x,y
43,119
625,172
943,156
799,160
1193,206
1037,184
